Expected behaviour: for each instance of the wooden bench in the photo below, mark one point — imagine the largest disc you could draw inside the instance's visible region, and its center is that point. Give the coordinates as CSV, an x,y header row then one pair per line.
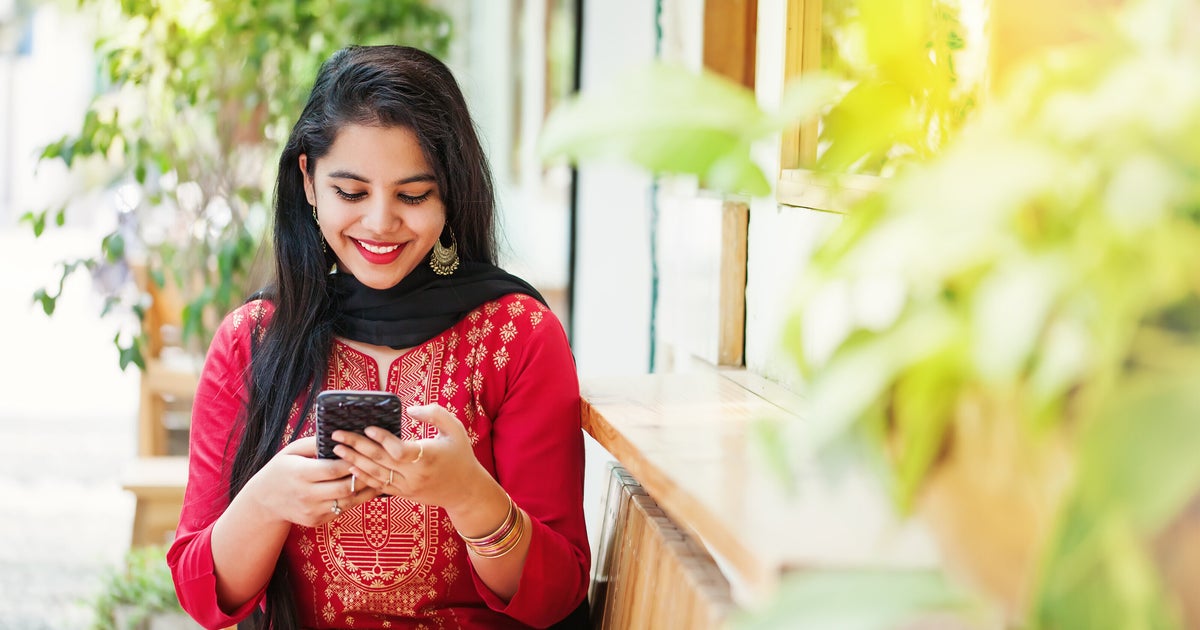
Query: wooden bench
x,y
157,483
648,572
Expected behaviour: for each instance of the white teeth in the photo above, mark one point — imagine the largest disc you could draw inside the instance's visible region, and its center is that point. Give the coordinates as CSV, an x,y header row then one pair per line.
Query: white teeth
x,y
375,249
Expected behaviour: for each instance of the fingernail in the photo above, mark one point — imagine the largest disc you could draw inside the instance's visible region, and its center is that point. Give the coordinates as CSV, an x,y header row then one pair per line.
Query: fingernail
x,y
371,432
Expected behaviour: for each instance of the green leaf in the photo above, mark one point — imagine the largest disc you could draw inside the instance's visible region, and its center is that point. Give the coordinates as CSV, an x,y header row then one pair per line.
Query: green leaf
x,y
60,217
737,173
36,221
817,599
130,354
1140,455
47,301
113,247
864,124
156,275
921,411
639,120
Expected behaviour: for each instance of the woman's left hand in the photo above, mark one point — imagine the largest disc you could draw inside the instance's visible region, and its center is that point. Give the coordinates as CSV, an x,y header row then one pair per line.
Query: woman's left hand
x,y
440,471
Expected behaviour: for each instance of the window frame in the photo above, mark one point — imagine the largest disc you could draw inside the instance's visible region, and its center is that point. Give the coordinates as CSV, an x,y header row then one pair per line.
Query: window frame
x,y
796,185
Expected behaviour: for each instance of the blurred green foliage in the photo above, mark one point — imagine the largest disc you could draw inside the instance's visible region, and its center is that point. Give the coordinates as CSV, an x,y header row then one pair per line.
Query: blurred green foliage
x,y
195,99
133,592
866,599
1047,264
639,119
905,95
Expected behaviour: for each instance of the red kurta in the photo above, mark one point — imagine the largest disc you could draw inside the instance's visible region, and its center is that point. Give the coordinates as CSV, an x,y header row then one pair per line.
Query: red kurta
x,y
507,373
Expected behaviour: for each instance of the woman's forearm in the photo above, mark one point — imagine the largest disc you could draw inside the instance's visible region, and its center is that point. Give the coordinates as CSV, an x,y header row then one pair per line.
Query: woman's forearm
x,y
480,517
246,543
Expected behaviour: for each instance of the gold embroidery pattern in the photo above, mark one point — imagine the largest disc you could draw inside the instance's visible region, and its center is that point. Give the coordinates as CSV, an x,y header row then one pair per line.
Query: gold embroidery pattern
x,y
476,355
376,548
347,372
500,359
379,556
256,310
509,330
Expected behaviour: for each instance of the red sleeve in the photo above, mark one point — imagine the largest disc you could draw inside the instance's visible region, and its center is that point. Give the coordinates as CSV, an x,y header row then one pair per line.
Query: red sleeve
x,y
538,445
220,399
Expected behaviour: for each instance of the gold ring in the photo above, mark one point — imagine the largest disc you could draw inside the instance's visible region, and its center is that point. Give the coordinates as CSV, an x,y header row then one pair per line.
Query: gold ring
x,y
337,511
353,478
420,452
391,473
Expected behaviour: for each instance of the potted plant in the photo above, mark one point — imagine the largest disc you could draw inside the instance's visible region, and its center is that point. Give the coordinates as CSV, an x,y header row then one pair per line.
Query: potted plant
x,y
1012,326
194,101
140,595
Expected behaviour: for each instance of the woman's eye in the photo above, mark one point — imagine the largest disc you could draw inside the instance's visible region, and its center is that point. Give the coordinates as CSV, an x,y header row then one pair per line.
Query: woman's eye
x,y
348,196
411,200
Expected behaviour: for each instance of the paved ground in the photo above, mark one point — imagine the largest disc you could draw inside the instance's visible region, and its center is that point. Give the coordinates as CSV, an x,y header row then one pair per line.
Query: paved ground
x,y
67,422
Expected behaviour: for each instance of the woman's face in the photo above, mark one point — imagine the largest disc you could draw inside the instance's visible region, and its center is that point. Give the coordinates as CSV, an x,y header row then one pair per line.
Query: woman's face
x,y
377,202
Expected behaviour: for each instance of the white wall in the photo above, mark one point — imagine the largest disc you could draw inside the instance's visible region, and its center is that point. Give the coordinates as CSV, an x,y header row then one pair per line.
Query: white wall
x,y
612,278
43,95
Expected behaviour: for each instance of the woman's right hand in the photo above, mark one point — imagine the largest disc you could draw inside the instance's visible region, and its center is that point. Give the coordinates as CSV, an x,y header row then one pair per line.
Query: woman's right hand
x,y
298,487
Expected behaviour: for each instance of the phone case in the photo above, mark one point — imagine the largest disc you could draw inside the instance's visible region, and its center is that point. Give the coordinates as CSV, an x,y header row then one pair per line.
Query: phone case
x,y
351,410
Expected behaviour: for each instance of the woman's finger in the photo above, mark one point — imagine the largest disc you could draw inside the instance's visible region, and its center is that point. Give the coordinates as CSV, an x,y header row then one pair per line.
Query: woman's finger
x,y
400,451
370,446
439,418
330,494
386,480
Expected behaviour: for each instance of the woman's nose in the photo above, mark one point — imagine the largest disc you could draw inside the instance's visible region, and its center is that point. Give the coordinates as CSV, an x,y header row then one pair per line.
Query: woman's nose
x,y
381,215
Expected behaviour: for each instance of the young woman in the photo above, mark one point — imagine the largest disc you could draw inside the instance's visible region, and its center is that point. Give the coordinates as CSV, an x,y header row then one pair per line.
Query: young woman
x,y
384,250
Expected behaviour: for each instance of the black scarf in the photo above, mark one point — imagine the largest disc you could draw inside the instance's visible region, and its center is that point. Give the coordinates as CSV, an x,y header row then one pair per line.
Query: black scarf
x,y
419,308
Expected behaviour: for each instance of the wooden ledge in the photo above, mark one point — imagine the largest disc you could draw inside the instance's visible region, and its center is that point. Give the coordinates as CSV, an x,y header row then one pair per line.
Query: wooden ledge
x,y
690,440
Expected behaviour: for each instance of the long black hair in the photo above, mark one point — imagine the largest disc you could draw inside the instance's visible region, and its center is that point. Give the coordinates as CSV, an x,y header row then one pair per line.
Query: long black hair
x,y
385,86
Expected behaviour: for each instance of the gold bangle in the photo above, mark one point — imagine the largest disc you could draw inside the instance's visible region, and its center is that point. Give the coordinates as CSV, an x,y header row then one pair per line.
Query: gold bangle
x,y
501,548
499,532
504,539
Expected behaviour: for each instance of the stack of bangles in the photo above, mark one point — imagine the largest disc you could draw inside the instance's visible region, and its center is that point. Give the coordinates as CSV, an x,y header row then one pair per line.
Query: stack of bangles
x,y
501,541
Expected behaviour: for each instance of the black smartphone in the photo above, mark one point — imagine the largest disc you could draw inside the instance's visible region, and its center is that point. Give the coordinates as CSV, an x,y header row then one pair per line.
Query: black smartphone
x,y
353,410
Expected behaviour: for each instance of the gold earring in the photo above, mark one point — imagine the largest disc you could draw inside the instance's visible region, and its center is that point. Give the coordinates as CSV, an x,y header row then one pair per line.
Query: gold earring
x,y
324,245
444,260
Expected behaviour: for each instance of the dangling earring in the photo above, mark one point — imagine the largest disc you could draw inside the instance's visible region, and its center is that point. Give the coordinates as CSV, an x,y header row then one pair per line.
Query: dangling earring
x,y
444,260
324,246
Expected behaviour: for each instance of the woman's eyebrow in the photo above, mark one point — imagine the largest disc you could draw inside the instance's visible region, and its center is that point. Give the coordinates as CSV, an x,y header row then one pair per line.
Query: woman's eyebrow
x,y
420,177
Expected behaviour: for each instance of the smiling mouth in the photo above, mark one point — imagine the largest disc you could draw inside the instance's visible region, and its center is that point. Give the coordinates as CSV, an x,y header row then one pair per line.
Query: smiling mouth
x,y
378,249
